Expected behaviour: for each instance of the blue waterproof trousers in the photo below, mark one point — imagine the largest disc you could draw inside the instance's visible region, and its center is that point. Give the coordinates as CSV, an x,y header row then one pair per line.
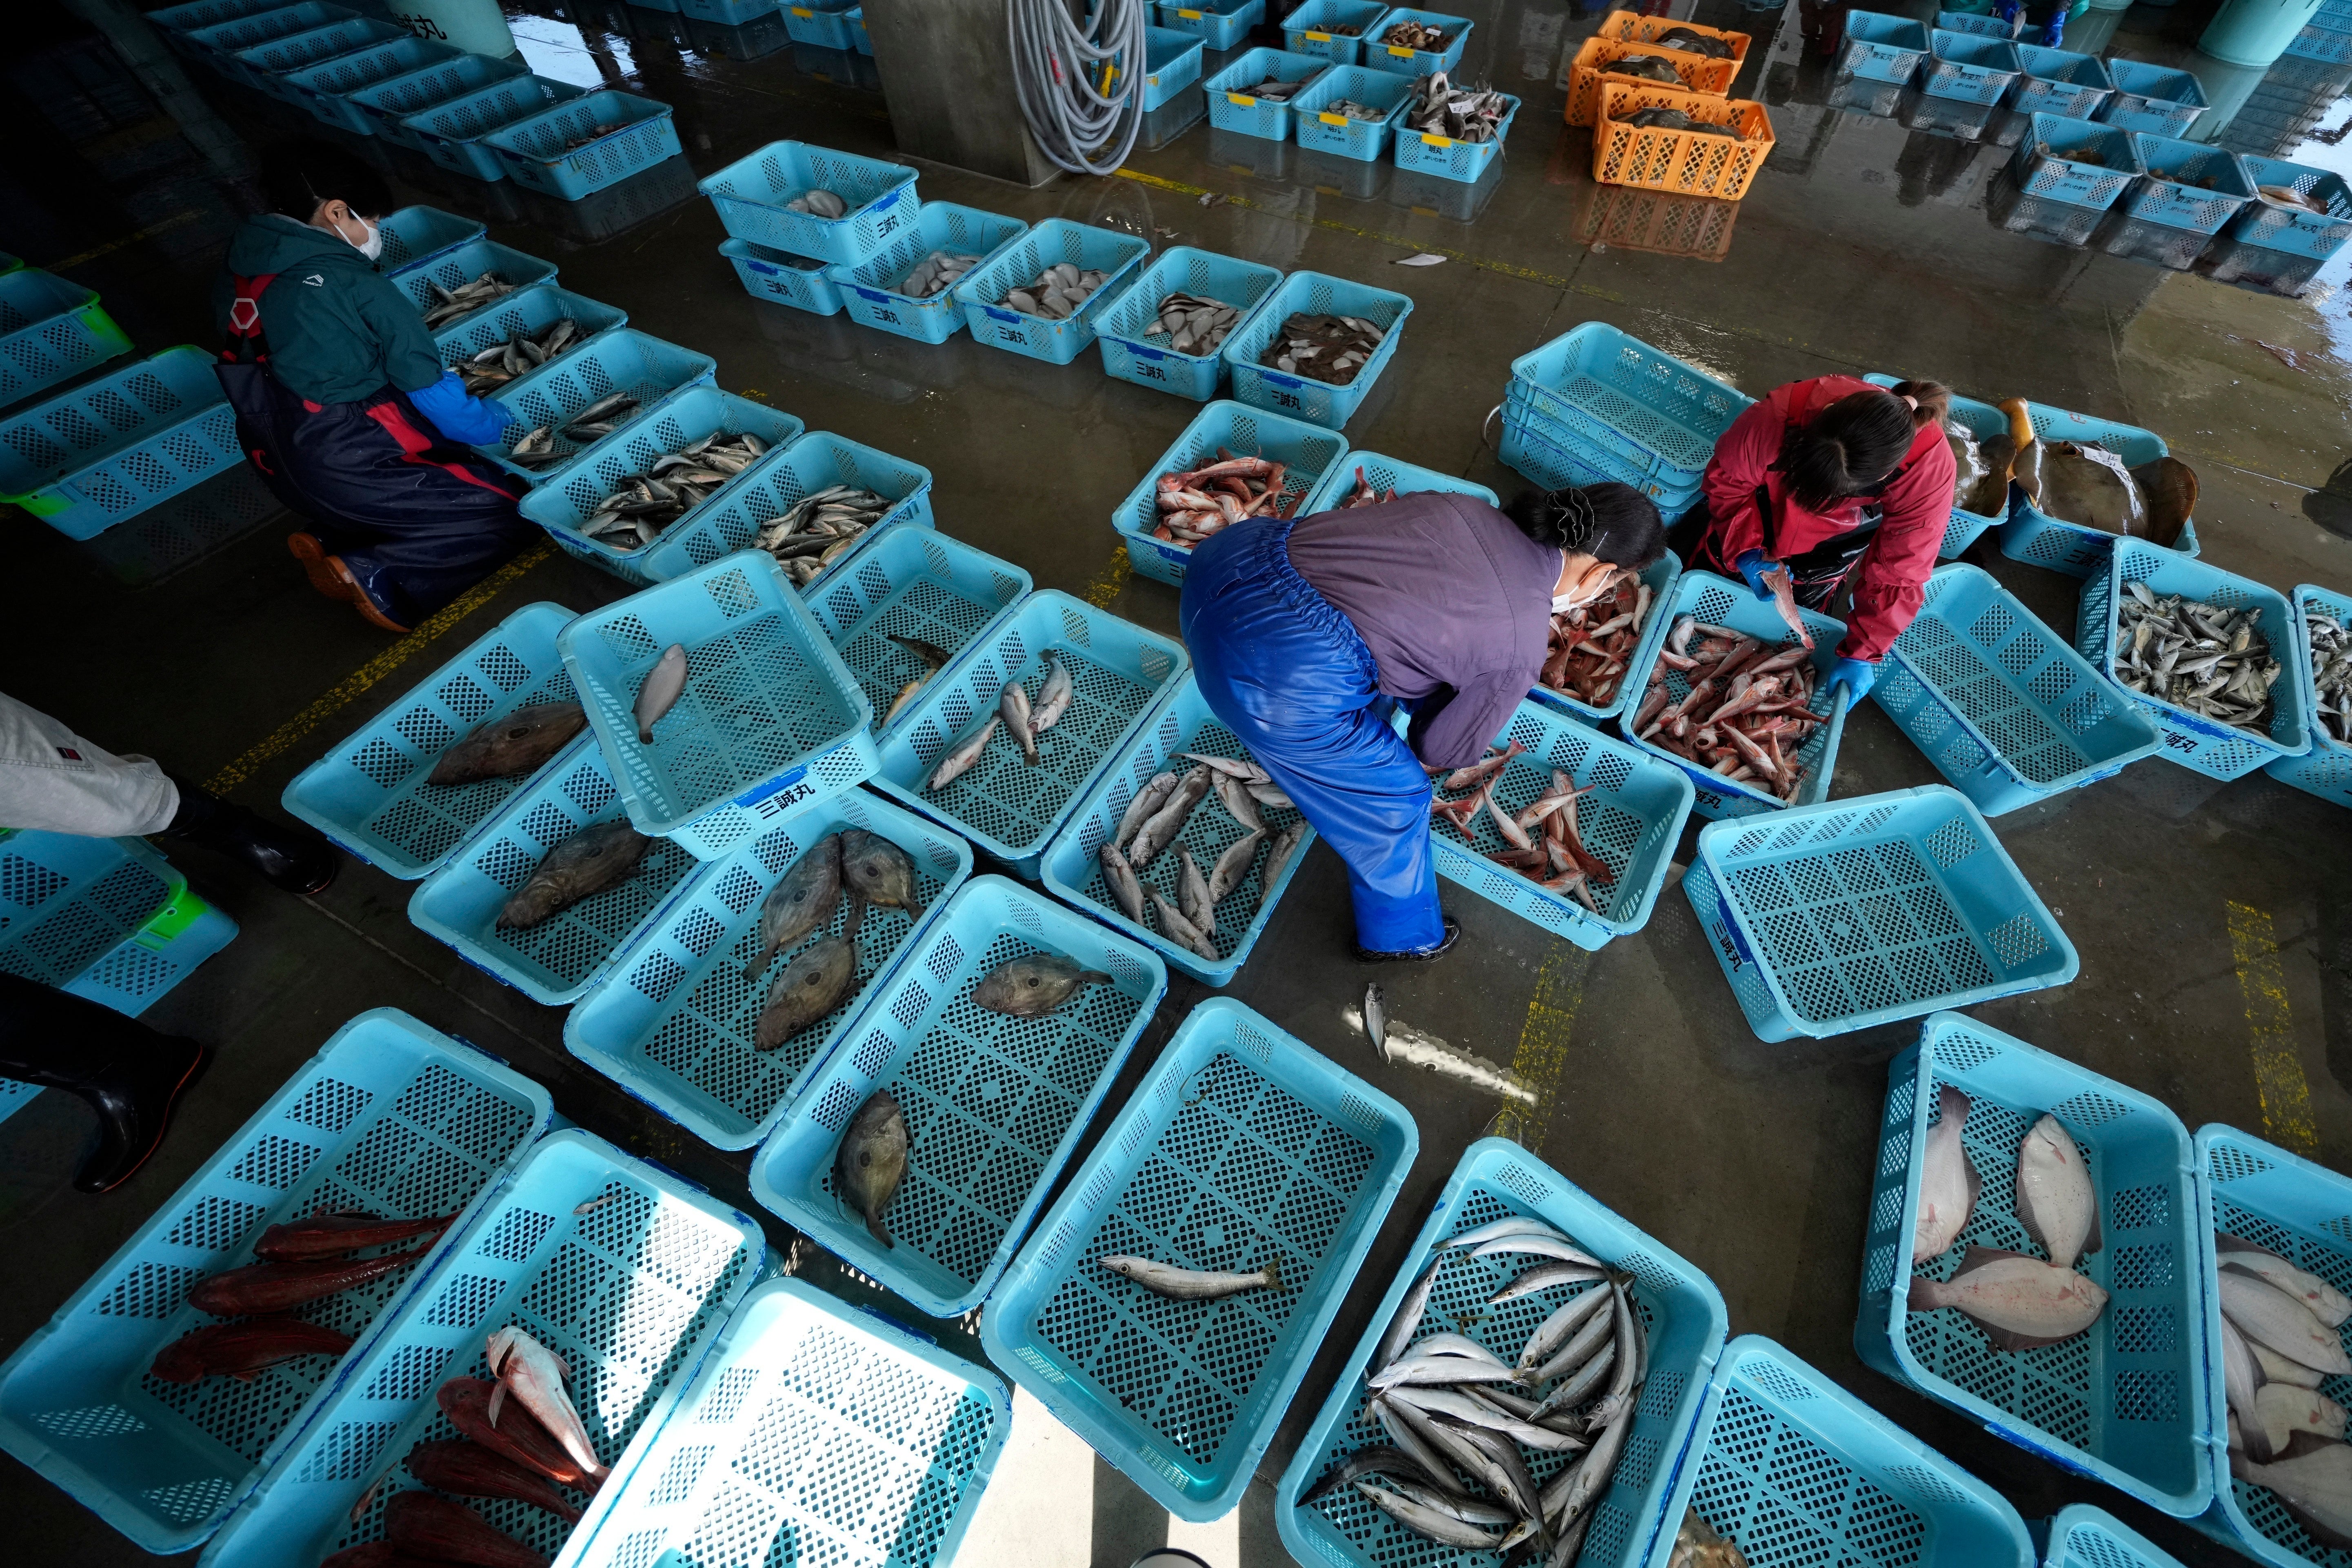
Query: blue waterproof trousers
x,y
1288,675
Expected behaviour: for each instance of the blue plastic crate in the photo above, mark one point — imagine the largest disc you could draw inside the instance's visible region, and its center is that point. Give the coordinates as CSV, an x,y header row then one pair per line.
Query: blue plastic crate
x,y
834,1431
994,1105
177,22
673,1020
2298,231
2000,703
1244,1146
824,24
2125,1403
325,88
1660,577
2325,770
2033,536
390,1116
630,1294
750,194
870,289
2081,1536
1868,910
1448,159
1789,1464
389,104
621,360
774,485
1122,674
414,236
727,13
2318,43
267,66
1612,389
118,443
50,329
1071,872
1880,47
1682,1312
462,264
1979,26
2283,272
2055,81
1171,64
1232,107
799,281
1048,243
1309,453
2041,168
1539,451
222,42
1385,474
1983,421
860,38
914,582
106,918
1307,30
584,144
1968,69
1379,55
2158,99
2189,185
1130,355
528,310
451,132
1314,126
1301,397
1221,24
572,494
2216,749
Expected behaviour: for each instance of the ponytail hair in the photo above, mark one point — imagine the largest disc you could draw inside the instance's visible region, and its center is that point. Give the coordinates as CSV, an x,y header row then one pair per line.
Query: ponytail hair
x,y
1855,442
1609,521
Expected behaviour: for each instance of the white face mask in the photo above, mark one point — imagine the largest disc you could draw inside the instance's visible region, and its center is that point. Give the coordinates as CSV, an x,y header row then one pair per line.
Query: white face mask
x,y
373,246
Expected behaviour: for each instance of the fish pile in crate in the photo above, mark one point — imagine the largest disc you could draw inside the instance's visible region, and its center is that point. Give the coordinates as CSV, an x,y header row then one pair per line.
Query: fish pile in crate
x,y
1198,503
2206,659
1438,107
1592,643
1543,842
2331,673
2280,1339
642,505
820,529
1749,706
522,354
1157,814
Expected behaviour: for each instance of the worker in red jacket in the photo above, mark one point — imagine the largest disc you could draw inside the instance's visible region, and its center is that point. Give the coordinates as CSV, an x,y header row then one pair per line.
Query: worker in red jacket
x,y
1823,477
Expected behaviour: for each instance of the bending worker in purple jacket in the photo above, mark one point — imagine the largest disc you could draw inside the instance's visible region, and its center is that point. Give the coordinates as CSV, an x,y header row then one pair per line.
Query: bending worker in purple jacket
x,y
1304,634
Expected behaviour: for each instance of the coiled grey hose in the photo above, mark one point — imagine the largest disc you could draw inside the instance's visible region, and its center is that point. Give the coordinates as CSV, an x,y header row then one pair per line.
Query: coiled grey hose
x,y
1055,64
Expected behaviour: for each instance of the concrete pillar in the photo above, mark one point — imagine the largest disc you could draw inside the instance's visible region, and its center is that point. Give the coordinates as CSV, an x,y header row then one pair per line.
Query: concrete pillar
x,y
947,70
2227,87
2254,32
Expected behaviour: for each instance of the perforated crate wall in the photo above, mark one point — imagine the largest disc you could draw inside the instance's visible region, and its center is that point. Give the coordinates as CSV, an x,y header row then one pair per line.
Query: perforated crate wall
x,y
2082,1536
50,329
223,41
450,132
1879,48
118,443
1221,24
871,289
1683,1317
913,582
1531,447
1309,455
390,1117
623,360
1607,386
389,104
1053,243
2325,770
812,461
630,1294
1130,354
1233,107
325,88
67,901
1307,30
579,147
2125,1403
753,194
1244,1146
453,269
267,66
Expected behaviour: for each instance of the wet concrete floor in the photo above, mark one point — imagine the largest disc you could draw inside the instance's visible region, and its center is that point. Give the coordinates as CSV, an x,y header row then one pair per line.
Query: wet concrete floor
x,y
1864,245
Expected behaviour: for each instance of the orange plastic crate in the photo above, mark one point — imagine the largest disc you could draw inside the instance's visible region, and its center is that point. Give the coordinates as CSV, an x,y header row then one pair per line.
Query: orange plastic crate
x,y
1690,162
1593,58
1629,28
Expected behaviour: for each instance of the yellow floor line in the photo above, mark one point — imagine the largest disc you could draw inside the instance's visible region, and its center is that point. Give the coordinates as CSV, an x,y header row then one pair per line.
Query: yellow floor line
x,y
2287,1119
1109,581
376,669
158,227
1541,1060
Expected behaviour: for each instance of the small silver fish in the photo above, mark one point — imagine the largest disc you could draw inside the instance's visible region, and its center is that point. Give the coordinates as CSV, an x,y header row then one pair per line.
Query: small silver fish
x,y
663,686
1193,893
1232,867
1190,1284
959,760
1168,821
1235,797
1148,800
1376,1016
1013,707
1052,698
1178,930
1119,877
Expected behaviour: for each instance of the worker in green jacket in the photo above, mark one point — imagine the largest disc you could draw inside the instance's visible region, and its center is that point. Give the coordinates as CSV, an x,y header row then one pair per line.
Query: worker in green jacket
x,y
345,407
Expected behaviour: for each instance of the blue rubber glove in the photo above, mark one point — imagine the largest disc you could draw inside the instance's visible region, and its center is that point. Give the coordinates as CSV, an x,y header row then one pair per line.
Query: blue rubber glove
x,y
472,420
1858,676
1752,566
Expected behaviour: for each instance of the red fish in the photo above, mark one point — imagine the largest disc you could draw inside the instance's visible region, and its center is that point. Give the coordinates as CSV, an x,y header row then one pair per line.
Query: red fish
x,y
334,1235
472,1470
275,1287
448,1532
244,1350
520,1435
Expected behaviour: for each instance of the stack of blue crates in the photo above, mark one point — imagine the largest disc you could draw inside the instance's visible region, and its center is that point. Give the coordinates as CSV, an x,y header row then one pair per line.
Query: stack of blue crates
x,y
797,258
1598,404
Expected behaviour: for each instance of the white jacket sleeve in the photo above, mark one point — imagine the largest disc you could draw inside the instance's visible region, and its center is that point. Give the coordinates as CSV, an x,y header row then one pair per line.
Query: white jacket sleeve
x,y
53,780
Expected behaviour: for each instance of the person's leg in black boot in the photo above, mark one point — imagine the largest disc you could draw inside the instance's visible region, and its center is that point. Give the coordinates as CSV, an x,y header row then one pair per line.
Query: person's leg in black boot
x,y
126,1072
294,858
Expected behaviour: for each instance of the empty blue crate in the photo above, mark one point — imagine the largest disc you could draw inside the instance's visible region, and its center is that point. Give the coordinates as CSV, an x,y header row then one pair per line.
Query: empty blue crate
x,y
451,132
2123,1403
532,311
1221,24
1660,577
870,289
824,24
177,23
1448,158
1051,243
1598,385
270,66
1243,1148
1315,125
2035,537
2190,190
1983,422
2001,704
414,236
1233,106
1981,26
369,792
574,494
814,1425
2158,99
579,147
816,460
1539,450
118,443
1683,1320
917,584
325,88
224,42
623,1270
674,1022
1880,47
105,919
1171,63
1788,1464
1379,54
2325,770
1828,919
1302,397
450,269
390,1117
1309,455
2082,1536
50,329
753,196
1332,31
623,360
2295,229
1072,871
1967,69
2055,81
391,103
2041,168
1131,351
799,281
1121,673
2207,745
994,1105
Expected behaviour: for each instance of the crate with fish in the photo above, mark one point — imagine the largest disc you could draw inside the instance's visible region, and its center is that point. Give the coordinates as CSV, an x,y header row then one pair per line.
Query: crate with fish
x,y
1537,450
813,201
1454,133
414,236
1665,32
1350,111
2078,162
612,505
2298,210
222,42
2058,82
800,281
1003,743
1599,58
118,443
1880,47
1219,24
1983,454
325,88
1316,347
1282,464
811,506
1785,1466
390,104
270,66
450,132
926,1144
718,702
2325,770
820,24
1967,69
2082,1536
907,288
2032,1260
1598,647
1851,914
50,330
1251,96
2003,707
1331,32
589,395
105,919
1598,1320
583,145
1042,295
1167,1306
140,1402
507,1407
1598,385
2204,653
2159,100
1658,139
720,1014
449,288
2083,483
1415,43
1164,329
525,329
909,604
815,1429
2168,216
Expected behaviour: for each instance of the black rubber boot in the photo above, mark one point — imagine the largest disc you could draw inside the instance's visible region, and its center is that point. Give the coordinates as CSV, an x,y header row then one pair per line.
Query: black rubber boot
x,y
126,1072
1416,955
294,858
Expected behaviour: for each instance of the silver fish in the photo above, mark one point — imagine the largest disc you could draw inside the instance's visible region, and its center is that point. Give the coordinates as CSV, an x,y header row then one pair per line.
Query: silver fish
x,y
1285,844
1178,930
1120,877
1500,1467
2283,1411
1442,1528
1398,1422
1625,1381
2019,1301
1542,1245
1235,796
1947,1181
1192,1284
1148,799
1376,1015
1574,1490
1543,1277
1234,865
2316,1486
1193,893
1033,984
585,864
1509,1224
2269,1316
2240,1382
2276,1368
1270,797
1013,707
1454,1505
2207,659
2054,1200
1437,1372
1553,1331
803,899
1053,697
872,1161
1577,1386
1166,823
1232,767
959,760
1407,1318
1380,1459
663,686
2326,1303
